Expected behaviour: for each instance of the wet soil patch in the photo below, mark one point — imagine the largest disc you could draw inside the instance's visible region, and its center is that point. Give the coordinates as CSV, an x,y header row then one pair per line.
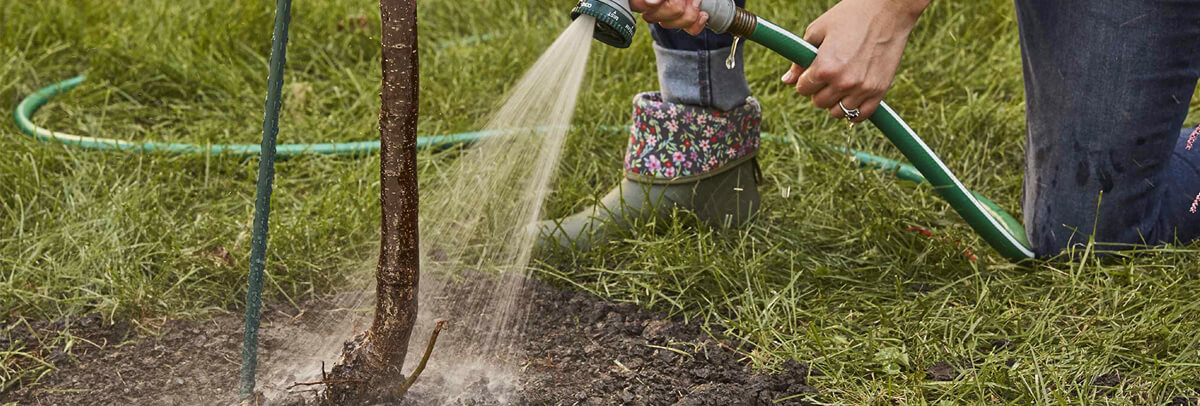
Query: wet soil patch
x,y
941,371
580,350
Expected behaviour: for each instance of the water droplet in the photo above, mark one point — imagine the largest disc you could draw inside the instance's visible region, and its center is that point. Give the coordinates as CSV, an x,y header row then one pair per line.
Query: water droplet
x,y
731,61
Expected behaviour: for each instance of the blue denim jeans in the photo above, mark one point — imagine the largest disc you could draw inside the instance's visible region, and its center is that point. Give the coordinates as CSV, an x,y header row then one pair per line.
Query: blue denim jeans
x,y
1107,86
691,69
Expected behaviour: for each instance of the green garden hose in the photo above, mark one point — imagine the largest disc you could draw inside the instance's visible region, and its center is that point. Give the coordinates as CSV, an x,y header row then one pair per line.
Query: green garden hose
x,y
1001,230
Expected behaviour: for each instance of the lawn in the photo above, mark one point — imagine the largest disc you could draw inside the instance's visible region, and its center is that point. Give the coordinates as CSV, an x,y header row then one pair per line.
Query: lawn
x,y
830,275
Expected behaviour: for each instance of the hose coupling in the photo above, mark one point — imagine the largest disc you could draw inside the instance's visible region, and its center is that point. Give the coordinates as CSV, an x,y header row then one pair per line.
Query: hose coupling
x,y
743,23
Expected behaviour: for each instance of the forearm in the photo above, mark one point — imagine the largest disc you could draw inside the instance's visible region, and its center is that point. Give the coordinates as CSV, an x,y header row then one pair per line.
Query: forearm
x,y
913,8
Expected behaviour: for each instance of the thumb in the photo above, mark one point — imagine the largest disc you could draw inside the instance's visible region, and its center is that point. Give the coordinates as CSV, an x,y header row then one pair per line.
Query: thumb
x,y
642,6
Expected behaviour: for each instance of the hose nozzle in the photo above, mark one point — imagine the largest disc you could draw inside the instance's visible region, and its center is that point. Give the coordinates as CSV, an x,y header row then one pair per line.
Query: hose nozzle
x,y
615,24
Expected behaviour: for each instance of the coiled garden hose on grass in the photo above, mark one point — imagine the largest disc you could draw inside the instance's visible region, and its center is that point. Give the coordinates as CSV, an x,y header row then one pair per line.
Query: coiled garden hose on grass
x,y
28,106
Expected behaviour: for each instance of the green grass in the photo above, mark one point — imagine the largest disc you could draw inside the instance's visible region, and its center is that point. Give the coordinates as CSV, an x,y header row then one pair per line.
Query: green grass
x,y
829,275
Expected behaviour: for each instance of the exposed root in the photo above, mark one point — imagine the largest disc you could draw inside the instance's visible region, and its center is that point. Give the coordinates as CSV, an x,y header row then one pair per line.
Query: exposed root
x,y
424,360
324,382
362,376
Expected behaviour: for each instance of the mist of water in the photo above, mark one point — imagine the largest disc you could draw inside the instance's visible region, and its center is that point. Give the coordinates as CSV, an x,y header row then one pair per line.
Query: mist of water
x,y
475,240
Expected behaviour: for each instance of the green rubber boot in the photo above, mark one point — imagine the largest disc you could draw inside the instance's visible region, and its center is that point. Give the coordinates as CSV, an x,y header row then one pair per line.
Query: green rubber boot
x,y
679,157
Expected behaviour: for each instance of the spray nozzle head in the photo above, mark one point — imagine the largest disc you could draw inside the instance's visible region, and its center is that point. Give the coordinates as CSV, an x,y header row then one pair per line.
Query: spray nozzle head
x,y
614,22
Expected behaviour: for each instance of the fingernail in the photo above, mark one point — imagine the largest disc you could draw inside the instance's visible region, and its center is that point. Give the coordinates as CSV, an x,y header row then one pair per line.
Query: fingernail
x,y
696,3
787,77
653,2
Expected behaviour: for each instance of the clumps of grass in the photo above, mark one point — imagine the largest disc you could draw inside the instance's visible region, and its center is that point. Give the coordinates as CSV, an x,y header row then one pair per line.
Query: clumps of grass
x,y
828,275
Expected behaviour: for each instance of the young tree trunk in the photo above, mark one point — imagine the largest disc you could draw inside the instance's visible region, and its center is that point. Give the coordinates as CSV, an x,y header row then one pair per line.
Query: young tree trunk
x,y
371,363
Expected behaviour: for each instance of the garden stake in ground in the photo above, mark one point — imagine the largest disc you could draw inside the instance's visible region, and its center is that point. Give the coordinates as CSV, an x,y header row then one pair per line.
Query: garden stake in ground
x,y
262,201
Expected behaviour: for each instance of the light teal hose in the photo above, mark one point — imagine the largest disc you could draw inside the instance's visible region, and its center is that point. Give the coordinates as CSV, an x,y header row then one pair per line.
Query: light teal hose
x,y
25,110
1001,230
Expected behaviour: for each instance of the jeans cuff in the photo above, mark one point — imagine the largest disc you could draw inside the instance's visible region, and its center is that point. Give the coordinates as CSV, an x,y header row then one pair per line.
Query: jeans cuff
x,y
700,77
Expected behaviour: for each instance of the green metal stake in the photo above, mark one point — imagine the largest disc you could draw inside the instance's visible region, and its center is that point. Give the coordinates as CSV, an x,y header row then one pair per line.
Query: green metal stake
x,y
262,200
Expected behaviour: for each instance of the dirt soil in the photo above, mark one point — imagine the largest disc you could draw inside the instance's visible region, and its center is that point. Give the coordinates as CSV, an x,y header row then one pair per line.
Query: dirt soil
x,y
580,350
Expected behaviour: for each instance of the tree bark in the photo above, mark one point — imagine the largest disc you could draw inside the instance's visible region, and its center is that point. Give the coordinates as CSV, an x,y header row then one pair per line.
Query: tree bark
x,y
399,257
371,363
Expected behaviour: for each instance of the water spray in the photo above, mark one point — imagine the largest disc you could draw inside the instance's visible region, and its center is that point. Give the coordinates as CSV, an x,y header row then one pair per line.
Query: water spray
x,y
615,26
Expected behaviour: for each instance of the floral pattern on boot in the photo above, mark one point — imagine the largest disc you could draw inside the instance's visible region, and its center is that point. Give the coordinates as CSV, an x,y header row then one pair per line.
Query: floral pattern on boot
x,y
670,141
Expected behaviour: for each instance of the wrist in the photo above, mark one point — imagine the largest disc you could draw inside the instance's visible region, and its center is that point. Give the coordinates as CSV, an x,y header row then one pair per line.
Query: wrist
x,y
913,8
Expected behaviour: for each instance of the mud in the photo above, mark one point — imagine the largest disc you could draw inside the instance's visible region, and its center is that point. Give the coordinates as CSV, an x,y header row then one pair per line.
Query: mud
x,y
579,350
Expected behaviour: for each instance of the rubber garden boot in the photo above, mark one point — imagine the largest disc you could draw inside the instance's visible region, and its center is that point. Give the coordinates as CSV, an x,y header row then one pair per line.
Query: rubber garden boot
x,y
679,157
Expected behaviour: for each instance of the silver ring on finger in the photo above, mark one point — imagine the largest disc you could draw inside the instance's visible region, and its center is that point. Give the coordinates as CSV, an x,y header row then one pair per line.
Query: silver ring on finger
x,y
851,114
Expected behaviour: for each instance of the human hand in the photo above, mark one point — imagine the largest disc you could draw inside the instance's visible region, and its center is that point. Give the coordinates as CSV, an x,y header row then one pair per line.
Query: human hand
x,y
861,42
683,14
